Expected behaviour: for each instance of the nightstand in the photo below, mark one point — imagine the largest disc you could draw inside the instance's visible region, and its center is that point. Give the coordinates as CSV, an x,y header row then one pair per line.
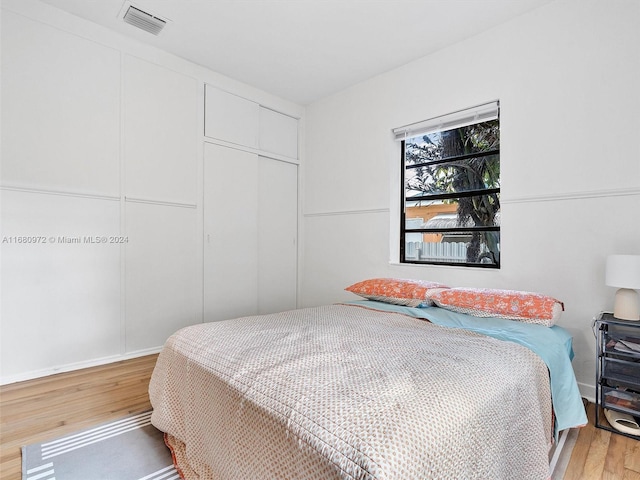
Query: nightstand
x,y
618,369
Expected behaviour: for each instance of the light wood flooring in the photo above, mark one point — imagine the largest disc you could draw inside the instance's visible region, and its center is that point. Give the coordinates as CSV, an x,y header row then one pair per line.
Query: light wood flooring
x,y
53,406
50,407
600,454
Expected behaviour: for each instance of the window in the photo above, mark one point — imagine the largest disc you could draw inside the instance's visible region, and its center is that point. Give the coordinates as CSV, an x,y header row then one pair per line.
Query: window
x,y
450,184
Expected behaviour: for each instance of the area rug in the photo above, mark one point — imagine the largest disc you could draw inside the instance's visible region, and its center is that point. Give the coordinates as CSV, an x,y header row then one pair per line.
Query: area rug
x,y
133,449
127,449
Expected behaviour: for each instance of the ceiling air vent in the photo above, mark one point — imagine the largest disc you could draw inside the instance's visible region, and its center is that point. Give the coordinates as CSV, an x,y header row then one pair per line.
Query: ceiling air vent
x,y
143,20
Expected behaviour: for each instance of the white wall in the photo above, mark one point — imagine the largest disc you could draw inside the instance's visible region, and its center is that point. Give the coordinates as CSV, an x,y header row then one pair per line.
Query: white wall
x,y
101,136
567,78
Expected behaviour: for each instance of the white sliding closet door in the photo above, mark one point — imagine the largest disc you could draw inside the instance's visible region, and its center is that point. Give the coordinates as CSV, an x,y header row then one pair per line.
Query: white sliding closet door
x,y
230,233
231,118
277,235
278,133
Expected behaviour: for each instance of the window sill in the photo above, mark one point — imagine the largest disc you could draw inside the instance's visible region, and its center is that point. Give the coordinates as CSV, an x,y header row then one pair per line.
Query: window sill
x,y
419,265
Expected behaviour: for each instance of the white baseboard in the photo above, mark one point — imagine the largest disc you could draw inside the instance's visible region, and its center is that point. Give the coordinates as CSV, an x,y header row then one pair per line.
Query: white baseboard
x,y
21,377
587,391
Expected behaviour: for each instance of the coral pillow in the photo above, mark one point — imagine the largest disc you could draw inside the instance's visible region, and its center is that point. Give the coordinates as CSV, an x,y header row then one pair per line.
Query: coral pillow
x,y
411,293
483,302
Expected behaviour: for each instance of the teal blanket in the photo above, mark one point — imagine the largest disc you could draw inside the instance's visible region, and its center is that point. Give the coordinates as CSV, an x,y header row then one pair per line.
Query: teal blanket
x,y
553,345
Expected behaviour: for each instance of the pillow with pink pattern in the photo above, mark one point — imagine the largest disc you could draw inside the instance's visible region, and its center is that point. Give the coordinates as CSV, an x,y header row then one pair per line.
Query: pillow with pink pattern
x,y
398,291
526,307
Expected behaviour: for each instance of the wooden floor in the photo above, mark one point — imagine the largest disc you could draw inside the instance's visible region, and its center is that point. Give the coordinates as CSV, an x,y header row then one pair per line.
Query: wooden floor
x,y
600,454
53,406
49,407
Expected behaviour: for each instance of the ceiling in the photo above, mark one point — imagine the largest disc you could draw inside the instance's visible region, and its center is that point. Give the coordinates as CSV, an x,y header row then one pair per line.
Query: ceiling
x,y
304,50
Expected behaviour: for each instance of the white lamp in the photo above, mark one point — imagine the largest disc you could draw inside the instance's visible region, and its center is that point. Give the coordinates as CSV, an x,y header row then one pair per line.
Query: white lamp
x,y
623,271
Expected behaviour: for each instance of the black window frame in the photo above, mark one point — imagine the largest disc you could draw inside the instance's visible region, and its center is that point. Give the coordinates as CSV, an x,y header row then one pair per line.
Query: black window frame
x,y
443,196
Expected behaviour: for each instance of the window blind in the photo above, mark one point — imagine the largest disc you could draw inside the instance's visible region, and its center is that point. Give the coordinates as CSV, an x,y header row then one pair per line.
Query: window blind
x,y
468,116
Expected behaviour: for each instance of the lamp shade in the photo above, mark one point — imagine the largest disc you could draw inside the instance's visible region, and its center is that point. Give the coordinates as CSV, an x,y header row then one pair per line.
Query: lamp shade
x,y
623,271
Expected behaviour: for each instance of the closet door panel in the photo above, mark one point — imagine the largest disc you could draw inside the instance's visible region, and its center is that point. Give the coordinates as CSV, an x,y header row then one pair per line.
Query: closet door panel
x,y
60,281
278,133
231,118
60,110
230,233
277,235
160,133
162,293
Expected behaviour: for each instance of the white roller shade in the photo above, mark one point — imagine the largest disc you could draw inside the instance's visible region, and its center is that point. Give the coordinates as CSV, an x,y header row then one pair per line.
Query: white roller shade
x,y
469,116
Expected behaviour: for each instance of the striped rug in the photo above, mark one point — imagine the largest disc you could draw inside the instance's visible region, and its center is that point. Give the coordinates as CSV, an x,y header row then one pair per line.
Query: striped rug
x,y
127,449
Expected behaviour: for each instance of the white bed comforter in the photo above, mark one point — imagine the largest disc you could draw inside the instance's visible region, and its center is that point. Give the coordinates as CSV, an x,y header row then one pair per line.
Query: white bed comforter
x,y
347,392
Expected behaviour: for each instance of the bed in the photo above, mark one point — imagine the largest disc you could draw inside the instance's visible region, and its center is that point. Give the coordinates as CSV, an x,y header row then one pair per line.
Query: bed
x,y
365,390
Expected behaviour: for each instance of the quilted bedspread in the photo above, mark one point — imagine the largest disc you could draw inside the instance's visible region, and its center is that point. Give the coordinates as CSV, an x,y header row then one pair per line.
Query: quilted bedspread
x,y
344,392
